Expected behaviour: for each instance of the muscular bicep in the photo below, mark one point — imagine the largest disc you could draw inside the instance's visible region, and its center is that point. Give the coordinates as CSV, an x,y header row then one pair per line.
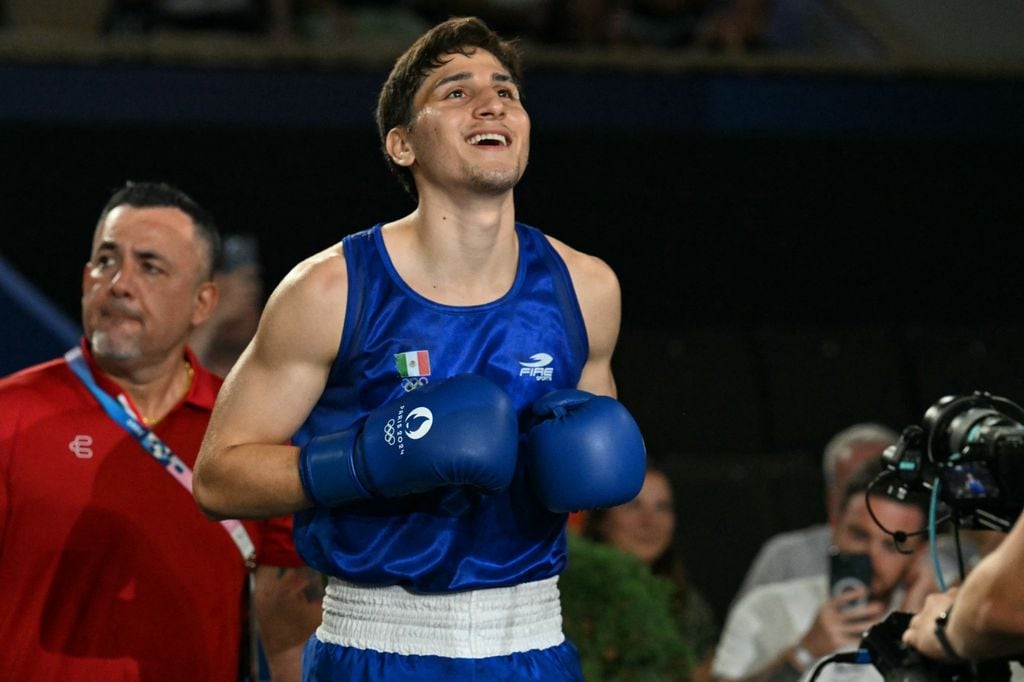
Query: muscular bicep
x,y
282,373
246,468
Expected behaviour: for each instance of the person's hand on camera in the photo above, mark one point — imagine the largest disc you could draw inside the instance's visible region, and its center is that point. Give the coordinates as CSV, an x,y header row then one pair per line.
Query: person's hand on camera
x,y
920,634
841,621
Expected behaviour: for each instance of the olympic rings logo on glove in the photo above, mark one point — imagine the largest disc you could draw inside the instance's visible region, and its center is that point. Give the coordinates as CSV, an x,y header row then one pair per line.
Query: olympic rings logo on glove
x,y
389,432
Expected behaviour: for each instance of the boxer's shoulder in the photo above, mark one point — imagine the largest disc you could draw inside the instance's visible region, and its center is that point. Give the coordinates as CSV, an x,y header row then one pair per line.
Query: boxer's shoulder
x,y
588,272
308,304
323,277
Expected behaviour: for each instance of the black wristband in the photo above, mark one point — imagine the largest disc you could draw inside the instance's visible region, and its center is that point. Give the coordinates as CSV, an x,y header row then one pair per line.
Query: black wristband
x,y
940,634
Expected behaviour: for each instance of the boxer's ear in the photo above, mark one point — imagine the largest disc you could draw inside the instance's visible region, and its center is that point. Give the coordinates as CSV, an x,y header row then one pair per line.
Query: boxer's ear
x,y
399,148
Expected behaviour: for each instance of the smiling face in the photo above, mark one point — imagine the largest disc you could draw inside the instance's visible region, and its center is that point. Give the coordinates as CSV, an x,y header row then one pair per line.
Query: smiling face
x,y
469,128
144,288
643,526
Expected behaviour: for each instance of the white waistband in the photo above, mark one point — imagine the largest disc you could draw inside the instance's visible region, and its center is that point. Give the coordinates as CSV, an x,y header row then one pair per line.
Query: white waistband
x,y
472,624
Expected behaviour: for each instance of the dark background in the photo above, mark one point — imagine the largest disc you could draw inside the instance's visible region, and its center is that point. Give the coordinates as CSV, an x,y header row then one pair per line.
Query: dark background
x,y
797,252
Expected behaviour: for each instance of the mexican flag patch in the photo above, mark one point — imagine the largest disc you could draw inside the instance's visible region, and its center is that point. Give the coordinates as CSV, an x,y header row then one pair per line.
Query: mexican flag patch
x,y
413,364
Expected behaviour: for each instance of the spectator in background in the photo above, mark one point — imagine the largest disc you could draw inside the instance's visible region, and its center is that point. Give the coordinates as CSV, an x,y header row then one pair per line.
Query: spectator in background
x,y
777,631
784,26
804,552
257,17
662,23
736,26
598,23
646,528
607,23
109,570
525,19
221,339
393,22
308,21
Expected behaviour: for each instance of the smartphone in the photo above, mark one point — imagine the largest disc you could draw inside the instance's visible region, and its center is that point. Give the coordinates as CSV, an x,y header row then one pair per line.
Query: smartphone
x,y
849,571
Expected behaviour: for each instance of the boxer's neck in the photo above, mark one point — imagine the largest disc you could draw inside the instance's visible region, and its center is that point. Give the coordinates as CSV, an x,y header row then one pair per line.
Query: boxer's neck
x,y
452,261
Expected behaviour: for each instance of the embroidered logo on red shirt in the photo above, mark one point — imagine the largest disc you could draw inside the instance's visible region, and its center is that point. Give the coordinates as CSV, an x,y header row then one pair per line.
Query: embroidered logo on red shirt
x,y
81,445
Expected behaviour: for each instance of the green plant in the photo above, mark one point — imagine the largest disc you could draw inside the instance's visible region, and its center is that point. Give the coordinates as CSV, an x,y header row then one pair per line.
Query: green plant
x,y
620,618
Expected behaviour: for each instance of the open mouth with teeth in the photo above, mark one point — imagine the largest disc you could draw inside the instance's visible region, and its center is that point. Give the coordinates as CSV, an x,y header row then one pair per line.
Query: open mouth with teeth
x,y
488,140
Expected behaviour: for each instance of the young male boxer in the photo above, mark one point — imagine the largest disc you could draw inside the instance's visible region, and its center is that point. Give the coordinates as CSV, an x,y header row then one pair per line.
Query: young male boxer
x,y
445,381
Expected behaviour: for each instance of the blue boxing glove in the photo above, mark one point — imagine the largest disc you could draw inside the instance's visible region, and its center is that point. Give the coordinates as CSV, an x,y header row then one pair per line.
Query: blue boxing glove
x,y
585,452
462,431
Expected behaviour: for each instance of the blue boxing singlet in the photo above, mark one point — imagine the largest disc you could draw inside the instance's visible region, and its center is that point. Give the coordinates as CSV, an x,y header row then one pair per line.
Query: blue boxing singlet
x,y
531,341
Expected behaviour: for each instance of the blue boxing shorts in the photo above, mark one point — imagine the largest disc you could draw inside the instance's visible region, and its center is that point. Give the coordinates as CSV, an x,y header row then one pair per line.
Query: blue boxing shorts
x,y
389,634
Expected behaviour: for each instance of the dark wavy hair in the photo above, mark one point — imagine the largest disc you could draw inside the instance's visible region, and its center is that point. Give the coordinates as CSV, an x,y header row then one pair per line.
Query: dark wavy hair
x,y
464,35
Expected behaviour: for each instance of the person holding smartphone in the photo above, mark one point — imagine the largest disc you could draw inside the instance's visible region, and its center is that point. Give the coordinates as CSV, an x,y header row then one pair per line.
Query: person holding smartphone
x,y
777,631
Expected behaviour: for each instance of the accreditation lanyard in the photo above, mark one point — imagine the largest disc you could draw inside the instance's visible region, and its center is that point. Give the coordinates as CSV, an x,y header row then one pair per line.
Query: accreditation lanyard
x,y
152,444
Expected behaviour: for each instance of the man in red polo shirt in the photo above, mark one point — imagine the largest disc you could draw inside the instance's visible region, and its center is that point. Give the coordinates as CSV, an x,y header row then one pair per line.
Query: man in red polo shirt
x,y
108,570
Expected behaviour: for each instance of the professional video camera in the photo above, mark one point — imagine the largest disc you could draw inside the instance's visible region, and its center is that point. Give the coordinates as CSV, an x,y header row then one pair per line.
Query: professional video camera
x,y
972,449
969,455
896,663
